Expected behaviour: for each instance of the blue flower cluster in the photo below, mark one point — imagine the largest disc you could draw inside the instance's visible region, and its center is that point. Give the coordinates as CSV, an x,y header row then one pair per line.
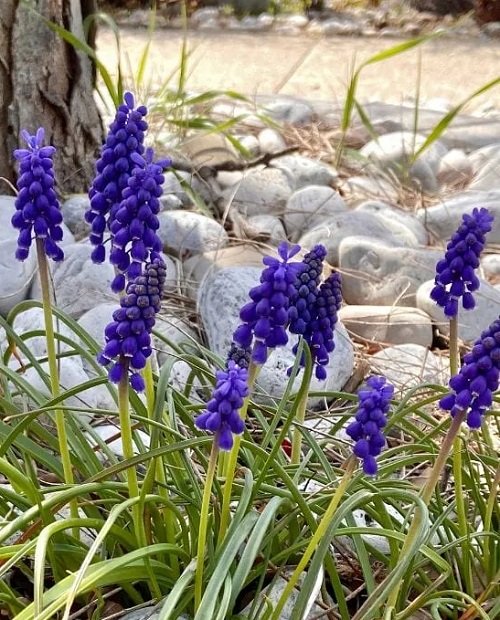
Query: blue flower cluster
x,y
302,308
128,336
265,318
455,277
222,413
113,169
239,355
38,213
473,387
134,225
371,418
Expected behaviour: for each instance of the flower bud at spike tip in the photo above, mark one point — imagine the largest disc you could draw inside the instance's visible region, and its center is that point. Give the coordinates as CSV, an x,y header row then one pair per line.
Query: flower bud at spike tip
x,y
371,418
472,389
455,278
128,336
38,213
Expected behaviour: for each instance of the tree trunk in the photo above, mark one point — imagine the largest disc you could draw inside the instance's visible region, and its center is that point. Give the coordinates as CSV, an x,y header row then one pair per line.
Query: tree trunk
x,y
45,82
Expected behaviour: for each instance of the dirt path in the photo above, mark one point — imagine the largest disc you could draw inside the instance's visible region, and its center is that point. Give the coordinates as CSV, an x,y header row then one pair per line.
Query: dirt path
x,y
315,68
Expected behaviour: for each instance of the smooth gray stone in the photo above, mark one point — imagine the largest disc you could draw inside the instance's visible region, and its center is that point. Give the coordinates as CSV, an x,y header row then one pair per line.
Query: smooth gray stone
x,y
370,188
487,178
455,169
266,226
491,265
32,320
387,324
106,432
271,141
409,365
259,192
287,109
304,171
470,322
443,219
79,283
184,232
376,273
73,210
402,223
97,318
309,207
353,223
177,331
222,294
393,151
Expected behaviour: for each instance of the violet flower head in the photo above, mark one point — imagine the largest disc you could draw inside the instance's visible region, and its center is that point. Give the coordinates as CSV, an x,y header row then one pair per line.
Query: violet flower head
x,y
371,418
241,356
113,169
302,310
265,318
134,225
38,213
222,413
472,388
128,336
455,278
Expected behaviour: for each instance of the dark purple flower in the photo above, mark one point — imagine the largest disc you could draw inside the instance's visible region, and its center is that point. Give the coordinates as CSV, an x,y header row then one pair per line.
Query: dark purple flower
x,y
134,225
371,418
128,336
265,318
455,277
38,213
222,413
239,355
472,388
113,169
314,313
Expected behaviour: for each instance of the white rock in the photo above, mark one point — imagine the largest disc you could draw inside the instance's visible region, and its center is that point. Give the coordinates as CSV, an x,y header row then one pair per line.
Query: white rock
x,y
259,192
222,294
455,168
409,365
304,171
309,207
73,210
487,178
15,276
370,187
375,273
443,219
95,320
287,109
251,144
470,323
174,331
79,283
343,225
491,265
151,612
107,431
394,151
400,222
271,141
387,324
267,226
189,232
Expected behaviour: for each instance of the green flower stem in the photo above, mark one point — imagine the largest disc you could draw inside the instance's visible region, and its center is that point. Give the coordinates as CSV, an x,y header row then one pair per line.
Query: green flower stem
x,y
231,461
301,410
428,491
62,437
492,502
457,468
202,532
317,536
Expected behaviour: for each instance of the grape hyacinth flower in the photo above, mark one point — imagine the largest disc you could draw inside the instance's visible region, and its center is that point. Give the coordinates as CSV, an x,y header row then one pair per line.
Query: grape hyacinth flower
x,y
113,169
455,278
302,310
128,336
473,386
38,213
265,318
371,418
239,355
134,225
222,413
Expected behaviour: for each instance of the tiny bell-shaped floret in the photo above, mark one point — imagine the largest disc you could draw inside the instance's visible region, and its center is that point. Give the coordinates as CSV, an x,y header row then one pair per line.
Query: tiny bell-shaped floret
x,y
367,428
221,415
38,213
473,387
455,273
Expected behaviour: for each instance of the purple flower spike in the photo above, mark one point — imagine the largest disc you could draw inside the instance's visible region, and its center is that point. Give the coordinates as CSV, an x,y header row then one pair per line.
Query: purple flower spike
x,y
472,388
113,169
455,277
371,418
265,318
133,229
128,336
38,213
222,413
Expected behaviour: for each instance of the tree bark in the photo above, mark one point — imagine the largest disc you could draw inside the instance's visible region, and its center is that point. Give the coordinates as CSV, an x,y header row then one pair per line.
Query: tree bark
x,y
45,82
